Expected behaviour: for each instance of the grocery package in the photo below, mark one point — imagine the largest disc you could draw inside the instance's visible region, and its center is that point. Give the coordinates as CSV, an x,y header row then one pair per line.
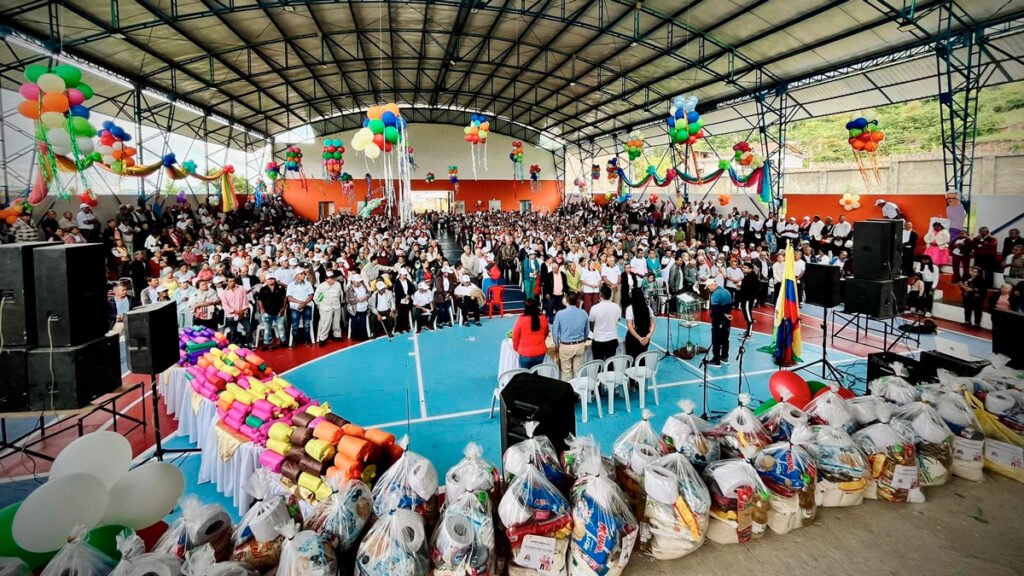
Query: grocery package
x,y
396,545
690,435
582,458
865,409
893,462
894,389
340,519
78,557
202,561
842,468
260,523
304,553
199,524
463,543
536,451
16,567
604,528
1004,447
998,373
473,474
933,441
790,473
632,451
828,408
780,420
1008,406
740,429
135,561
676,512
538,523
740,502
410,483
968,439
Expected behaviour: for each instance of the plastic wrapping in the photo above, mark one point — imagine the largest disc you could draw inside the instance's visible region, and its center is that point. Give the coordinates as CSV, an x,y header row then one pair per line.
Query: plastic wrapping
x,y
79,558
968,438
829,409
202,561
604,528
676,511
1008,406
410,483
537,451
583,458
893,463
304,553
740,429
842,468
790,473
134,560
463,544
1004,448
14,567
268,511
638,446
740,502
199,524
933,441
894,389
780,420
473,474
396,545
999,374
538,522
865,409
341,518
690,436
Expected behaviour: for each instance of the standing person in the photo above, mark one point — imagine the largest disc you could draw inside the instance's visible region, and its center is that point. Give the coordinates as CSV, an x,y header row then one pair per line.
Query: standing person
x,y
328,303
985,249
639,324
929,274
234,299
909,244
569,334
676,282
590,279
358,298
937,240
975,291
1013,238
531,276
469,298
749,290
119,304
87,223
554,288
509,264
612,278
444,294
404,289
382,306
604,323
300,295
529,336
271,299
203,302
573,277
721,323
961,249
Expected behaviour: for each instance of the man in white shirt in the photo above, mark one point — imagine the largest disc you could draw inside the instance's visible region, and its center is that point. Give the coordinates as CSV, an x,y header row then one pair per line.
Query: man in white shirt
x,y
286,273
382,310
300,295
612,278
889,209
639,263
423,311
841,232
815,231
604,325
87,223
328,301
467,299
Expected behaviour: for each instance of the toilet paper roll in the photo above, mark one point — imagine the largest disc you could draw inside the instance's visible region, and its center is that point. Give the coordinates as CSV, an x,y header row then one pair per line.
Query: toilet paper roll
x,y
268,516
999,402
454,540
642,456
423,478
661,485
152,565
410,529
213,527
512,511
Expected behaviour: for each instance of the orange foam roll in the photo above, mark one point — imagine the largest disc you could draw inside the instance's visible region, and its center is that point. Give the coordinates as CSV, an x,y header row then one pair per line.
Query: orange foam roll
x,y
327,432
353,430
354,448
380,437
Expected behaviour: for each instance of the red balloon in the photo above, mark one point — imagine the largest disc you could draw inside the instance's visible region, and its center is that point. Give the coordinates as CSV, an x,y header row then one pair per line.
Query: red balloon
x,y
845,393
789,387
378,139
387,146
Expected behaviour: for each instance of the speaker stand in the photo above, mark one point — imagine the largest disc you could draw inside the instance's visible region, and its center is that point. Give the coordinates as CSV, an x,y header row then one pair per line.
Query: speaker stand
x,y
158,448
828,370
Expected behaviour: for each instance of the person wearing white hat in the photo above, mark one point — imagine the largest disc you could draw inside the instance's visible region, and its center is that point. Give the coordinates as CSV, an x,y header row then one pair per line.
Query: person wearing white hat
x,y
328,304
890,210
469,299
404,289
382,308
286,271
87,223
423,309
358,297
444,283
300,313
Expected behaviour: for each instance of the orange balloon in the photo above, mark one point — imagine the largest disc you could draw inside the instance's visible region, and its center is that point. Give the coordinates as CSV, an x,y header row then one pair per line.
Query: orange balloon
x,y
29,109
857,145
870,147
56,102
374,113
393,108
118,154
12,219
485,125
129,162
129,151
877,136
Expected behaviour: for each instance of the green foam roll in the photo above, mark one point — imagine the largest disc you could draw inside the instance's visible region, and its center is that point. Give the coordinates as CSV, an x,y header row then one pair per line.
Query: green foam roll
x,y
253,421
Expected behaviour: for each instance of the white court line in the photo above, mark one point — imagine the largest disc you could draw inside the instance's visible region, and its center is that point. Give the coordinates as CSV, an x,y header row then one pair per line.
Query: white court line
x,y
431,418
419,373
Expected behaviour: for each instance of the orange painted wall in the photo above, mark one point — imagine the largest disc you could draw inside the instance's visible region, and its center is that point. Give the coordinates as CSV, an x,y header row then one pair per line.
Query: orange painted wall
x,y
305,200
918,208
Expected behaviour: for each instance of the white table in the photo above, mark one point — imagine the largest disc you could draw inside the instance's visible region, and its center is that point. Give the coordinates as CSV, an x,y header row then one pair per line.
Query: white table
x,y
508,359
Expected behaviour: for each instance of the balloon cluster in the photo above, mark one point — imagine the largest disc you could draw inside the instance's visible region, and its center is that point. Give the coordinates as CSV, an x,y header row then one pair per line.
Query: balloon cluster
x,y
580,184
479,127
429,177
88,197
382,128
112,146
348,185
850,201
333,149
684,123
293,159
517,152
746,156
534,172
724,199
273,170
595,171
453,174
10,214
612,169
189,166
635,145
56,99
865,135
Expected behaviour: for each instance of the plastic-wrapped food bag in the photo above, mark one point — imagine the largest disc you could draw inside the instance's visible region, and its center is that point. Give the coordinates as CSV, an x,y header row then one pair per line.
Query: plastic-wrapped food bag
x,y
638,446
340,519
893,462
790,473
1004,448
79,558
865,409
256,539
396,545
842,468
1008,406
14,567
604,528
410,483
690,435
999,373
740,429
780,420
304,553
202,561
463,544
583,458
135,562
676,512
968,439
894,389
538,523
535,451
199,524
829,409
740,502
933,441
473,474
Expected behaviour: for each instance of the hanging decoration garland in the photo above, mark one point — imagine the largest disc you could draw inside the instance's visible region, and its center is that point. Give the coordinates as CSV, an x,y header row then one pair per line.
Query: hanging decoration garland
x,y
865,136
534,178
384,129
333,160
476,134
516,156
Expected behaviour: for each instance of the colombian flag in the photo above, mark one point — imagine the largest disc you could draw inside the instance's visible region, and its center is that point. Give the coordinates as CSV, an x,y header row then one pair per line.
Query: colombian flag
x,y
786,348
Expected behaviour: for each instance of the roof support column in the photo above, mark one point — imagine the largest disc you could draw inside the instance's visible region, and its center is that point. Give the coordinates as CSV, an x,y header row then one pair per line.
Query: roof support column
x,y
774,111
558,158
137,120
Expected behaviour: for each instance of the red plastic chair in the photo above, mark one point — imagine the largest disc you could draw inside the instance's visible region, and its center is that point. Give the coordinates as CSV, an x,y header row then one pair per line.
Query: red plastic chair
x,y
494,298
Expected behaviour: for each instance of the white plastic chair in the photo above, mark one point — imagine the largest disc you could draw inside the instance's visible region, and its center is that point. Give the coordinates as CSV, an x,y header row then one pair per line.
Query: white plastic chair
x,y
662,295
585,383
503,381
646,369
613,376
548,370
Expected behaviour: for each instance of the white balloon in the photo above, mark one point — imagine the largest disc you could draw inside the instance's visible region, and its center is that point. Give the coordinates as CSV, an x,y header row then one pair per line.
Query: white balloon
x,y
58,137
85,145
51,83
372,151
118,145
49,514
107,455
61,150
52,119
105,150
108,159
143,496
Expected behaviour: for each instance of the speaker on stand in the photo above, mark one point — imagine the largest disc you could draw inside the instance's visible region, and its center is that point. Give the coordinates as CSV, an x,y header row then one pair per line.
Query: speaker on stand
x,y
822,282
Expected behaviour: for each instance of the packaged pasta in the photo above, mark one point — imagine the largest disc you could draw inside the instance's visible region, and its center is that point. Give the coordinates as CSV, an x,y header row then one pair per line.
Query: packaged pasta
x,y
538,523
690,435
740,502
842,468
537,451
676,511
933,441
604,528
780,420
740,429
790,473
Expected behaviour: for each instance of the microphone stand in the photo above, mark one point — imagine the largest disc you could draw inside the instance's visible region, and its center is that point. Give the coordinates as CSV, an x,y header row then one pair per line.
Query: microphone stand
x,y
739,359
704,365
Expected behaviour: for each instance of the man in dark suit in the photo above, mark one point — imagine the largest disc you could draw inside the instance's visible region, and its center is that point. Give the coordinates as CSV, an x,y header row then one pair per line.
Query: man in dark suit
x,y
404,289
909,245
554,288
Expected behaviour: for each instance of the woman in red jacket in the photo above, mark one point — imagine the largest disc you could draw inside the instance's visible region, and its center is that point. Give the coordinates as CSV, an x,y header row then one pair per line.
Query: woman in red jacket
x,y
529,336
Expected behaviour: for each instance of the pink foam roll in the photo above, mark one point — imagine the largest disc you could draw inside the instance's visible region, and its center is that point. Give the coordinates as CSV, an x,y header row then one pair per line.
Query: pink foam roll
x,y
249,432
200,339
197,386
271,461
209,390
262,415
315,421
227,377
243,352
262,405
296,394
221,413
239,410
234,422
211,370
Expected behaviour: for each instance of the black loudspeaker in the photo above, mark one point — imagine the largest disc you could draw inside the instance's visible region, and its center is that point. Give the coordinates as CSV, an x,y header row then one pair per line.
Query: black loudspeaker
x,y
932,360
877,249
71,377
151,335
876,298
550,402
821,285
880,364
17,293
71,294
1006,328
13,380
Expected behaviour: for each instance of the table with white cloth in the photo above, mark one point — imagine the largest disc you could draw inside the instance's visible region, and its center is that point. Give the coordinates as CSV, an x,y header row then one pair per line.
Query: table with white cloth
x,y
508,359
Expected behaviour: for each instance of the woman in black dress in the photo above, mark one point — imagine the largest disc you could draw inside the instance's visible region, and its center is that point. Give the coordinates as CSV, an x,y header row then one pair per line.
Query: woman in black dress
x,y
747,297
639,324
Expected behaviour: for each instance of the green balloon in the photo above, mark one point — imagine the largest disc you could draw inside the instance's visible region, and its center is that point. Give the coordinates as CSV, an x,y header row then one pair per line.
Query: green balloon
x,y
104,539
377,126
854,132
765,407
723,164
391,134
85,89
815,387
71,75
695,127
81,127
33,72
10,549
337,155
327,155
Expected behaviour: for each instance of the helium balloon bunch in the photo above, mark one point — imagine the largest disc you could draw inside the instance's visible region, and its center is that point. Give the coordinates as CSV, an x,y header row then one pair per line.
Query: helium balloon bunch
x,y
11,213
348,185
273,170
332,156
581,185
850,201
635,145
476,133
534,178
612,169
116,153
382,128
595,171
746,156
190,167
88,197
684,123
293,159
516,156
429,177
865,136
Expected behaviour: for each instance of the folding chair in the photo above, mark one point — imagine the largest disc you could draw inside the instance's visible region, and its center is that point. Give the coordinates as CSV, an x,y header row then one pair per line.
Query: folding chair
x,y
613,376
585,384
503,381
646,369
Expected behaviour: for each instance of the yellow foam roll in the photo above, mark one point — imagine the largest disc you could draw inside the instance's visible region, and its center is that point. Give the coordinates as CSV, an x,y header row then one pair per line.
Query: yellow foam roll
x,y
233,347
233,371
216,352
312,483
258,387
273,399
281,431
227,396
286,400
323,492
244,397
280,383
254,380
280,446
320,450
316,411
